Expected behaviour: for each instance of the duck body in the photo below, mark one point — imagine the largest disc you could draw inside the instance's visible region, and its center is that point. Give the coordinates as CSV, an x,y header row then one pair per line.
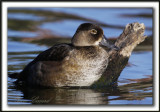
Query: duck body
x,y
80,63
65,65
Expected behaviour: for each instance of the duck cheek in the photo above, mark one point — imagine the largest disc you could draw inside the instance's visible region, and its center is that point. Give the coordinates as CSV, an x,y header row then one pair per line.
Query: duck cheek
x,y
98,41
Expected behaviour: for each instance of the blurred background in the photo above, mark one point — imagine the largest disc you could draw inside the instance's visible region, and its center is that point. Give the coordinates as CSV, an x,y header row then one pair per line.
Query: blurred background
x,y
33,30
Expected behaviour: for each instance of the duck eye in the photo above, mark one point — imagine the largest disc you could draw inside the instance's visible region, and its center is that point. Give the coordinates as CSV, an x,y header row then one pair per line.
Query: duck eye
x,y
93,31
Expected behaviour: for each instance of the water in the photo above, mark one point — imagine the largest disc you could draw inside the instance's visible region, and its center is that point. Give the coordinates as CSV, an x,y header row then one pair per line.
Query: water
x,y
134,83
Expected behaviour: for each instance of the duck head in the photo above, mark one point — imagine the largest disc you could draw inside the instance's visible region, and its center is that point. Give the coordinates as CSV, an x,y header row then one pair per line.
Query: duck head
x,y
89,34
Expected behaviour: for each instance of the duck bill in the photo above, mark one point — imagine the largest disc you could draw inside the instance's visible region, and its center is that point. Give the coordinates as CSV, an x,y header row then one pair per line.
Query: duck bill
x,y
108,44
105,42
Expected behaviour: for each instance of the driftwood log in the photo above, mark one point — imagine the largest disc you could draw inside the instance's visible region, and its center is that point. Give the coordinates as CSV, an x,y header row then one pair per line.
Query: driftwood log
x,y
132,35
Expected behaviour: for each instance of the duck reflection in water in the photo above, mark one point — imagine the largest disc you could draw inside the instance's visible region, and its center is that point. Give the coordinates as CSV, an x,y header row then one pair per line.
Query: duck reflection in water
x,y
105,95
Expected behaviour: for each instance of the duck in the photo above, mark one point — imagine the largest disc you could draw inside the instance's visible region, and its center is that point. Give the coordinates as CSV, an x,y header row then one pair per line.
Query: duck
x,y
77,64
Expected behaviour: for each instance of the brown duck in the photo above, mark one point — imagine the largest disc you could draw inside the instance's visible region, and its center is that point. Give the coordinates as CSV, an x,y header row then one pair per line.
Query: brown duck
x,y
80,63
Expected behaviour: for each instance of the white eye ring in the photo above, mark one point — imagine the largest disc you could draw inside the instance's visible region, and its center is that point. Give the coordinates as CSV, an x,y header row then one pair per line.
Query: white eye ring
x,y
93,31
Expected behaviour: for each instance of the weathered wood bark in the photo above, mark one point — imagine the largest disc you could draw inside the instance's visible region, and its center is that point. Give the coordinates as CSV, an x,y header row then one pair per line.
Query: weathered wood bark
x,y
132,35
